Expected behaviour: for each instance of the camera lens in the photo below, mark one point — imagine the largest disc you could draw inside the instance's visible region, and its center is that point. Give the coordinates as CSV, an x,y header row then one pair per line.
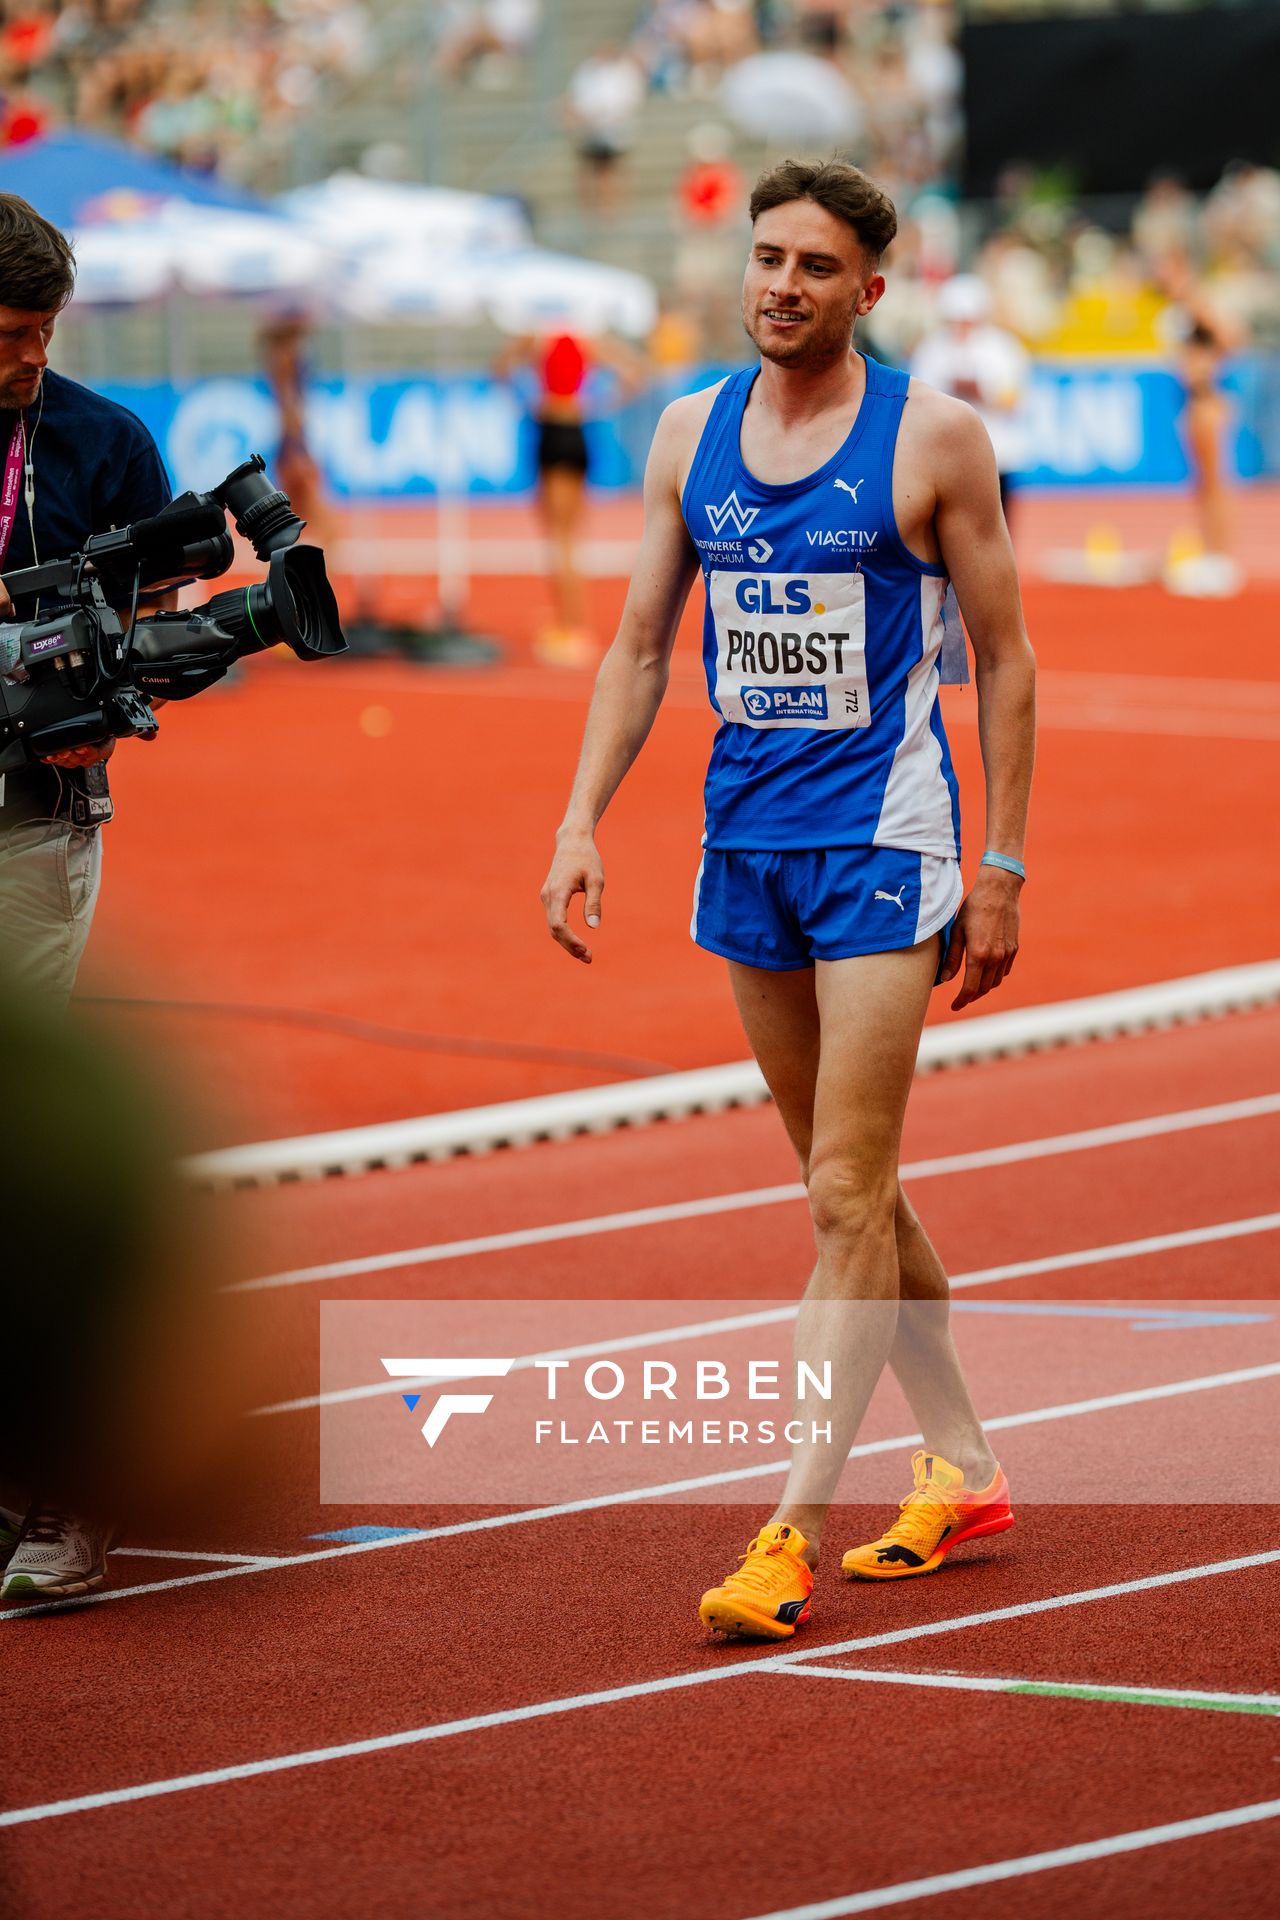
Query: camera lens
x,y
295,603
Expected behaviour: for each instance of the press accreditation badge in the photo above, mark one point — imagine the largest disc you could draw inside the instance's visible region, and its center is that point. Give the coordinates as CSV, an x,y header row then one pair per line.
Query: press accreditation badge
x,y
791,649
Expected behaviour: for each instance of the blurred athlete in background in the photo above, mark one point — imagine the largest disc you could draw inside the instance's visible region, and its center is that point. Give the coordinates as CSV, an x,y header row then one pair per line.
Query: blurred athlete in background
x,y
283,344
827,501
1201,338
968,356
561,364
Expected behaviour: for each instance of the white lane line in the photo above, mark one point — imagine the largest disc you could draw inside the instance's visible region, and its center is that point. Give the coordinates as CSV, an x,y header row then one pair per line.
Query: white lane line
x,y
1064,1689
231,1559
738,1323
1152,1127
994,1870
649,1495
644,1689
1123,1250
527,1237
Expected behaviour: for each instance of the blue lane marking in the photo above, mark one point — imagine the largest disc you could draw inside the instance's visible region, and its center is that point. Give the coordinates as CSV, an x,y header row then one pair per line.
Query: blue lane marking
x,y
411,1400
1152,1319
357,1536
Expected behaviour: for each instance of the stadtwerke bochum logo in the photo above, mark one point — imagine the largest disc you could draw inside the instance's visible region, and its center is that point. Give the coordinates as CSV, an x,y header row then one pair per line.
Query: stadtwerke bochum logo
x,y
732,513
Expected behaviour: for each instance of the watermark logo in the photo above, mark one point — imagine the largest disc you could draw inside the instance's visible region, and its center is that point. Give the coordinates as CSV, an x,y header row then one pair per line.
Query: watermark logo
x,y
731,512
448,1404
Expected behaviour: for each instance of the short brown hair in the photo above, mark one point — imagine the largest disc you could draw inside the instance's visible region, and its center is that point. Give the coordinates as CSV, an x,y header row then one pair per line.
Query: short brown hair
x,y
37,265
834,185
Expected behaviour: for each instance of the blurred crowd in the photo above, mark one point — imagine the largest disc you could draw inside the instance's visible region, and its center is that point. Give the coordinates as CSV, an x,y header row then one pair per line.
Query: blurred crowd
x,y
881,80
1058,278
190,80
1065,282
200,81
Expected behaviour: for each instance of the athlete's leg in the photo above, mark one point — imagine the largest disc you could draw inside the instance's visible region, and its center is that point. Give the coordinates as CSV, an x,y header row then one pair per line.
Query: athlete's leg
x,y
779,1012
1204,436
871,1011
563,500
924,1358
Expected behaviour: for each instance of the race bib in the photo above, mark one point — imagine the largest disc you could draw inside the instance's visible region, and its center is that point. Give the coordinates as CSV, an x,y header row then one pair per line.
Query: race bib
x,y
791,649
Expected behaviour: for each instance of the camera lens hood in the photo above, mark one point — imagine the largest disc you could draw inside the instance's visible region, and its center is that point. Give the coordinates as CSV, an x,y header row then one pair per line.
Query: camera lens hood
x,y
303,603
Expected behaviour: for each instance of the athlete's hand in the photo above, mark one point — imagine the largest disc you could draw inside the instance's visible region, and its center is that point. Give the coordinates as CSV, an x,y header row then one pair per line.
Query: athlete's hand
x,y
577,868
6,604
985,935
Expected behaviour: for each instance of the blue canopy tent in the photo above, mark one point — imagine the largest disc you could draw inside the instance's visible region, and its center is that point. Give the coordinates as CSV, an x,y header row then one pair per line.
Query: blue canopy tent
x,y
87,184
71,179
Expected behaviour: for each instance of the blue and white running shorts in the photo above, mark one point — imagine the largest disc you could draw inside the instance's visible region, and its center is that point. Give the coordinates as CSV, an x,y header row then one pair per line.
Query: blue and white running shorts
x,y
783,911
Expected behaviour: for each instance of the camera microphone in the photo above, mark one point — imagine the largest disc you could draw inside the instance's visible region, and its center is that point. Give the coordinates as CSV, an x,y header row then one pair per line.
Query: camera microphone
x,y
189,537
177,527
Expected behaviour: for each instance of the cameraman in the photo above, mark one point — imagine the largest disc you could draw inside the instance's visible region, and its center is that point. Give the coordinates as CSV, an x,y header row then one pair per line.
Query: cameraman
x,y
74,464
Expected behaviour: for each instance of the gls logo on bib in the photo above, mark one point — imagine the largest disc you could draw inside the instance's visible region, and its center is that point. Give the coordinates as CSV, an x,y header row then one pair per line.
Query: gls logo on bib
x,y
791,649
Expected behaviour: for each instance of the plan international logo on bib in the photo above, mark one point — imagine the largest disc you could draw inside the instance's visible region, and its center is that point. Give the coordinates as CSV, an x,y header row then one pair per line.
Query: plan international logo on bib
x,y
785,703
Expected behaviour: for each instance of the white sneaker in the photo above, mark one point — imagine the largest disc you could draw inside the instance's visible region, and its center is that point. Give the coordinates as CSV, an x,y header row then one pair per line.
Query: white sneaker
x,y
57,1554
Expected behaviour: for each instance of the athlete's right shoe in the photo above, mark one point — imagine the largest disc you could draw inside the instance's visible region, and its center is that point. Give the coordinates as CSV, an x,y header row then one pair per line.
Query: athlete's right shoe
x,y
937,1515
768,1597
57,1555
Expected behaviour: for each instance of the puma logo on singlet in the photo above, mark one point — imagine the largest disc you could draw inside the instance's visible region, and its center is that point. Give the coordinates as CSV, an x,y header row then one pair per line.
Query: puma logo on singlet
x,y
895,897
852,491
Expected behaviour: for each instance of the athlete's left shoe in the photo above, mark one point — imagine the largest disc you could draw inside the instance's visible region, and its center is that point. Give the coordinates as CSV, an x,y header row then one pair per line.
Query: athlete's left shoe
x,y
768,1597
936,1516
566,647
57,1555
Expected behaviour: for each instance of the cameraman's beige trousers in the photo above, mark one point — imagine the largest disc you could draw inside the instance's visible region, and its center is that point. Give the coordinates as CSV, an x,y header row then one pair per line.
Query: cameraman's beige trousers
x,y
49,874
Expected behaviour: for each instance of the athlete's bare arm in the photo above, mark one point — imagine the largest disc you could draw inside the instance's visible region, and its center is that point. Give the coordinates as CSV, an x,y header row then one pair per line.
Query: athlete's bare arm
x,y
948,510
633,674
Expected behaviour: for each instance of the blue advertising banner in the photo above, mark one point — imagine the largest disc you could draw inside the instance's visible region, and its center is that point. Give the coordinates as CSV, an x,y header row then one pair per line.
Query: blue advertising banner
x,y
1088,424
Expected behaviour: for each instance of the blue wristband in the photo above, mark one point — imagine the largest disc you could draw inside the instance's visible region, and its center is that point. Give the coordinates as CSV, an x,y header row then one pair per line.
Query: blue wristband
x,y
1005,862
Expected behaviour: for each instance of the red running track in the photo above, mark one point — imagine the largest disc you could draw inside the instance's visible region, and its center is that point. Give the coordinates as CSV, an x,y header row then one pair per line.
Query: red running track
x,y
328,878
635,1806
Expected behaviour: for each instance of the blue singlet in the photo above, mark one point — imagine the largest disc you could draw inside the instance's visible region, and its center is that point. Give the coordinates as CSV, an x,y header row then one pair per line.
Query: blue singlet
x,y
821,644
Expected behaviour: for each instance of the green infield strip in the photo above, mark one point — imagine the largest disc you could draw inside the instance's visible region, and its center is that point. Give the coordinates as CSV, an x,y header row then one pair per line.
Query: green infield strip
x,y
1054,1689
1147,1697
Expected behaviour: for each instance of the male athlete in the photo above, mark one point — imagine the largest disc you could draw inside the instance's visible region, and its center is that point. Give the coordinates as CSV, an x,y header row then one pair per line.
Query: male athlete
x,y
828,503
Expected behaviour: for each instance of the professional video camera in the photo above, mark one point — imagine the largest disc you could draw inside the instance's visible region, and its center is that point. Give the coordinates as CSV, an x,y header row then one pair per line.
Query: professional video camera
x,y
81,677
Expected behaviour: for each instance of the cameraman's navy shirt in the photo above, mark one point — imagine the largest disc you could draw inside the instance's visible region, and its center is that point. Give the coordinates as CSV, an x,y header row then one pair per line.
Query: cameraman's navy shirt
x,y
96,467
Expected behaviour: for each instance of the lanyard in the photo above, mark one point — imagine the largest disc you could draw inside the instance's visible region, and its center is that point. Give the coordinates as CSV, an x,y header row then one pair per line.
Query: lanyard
x,y
14,463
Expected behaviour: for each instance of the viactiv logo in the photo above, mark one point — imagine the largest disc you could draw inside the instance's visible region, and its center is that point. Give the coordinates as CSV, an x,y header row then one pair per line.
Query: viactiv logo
x,y
449,1403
